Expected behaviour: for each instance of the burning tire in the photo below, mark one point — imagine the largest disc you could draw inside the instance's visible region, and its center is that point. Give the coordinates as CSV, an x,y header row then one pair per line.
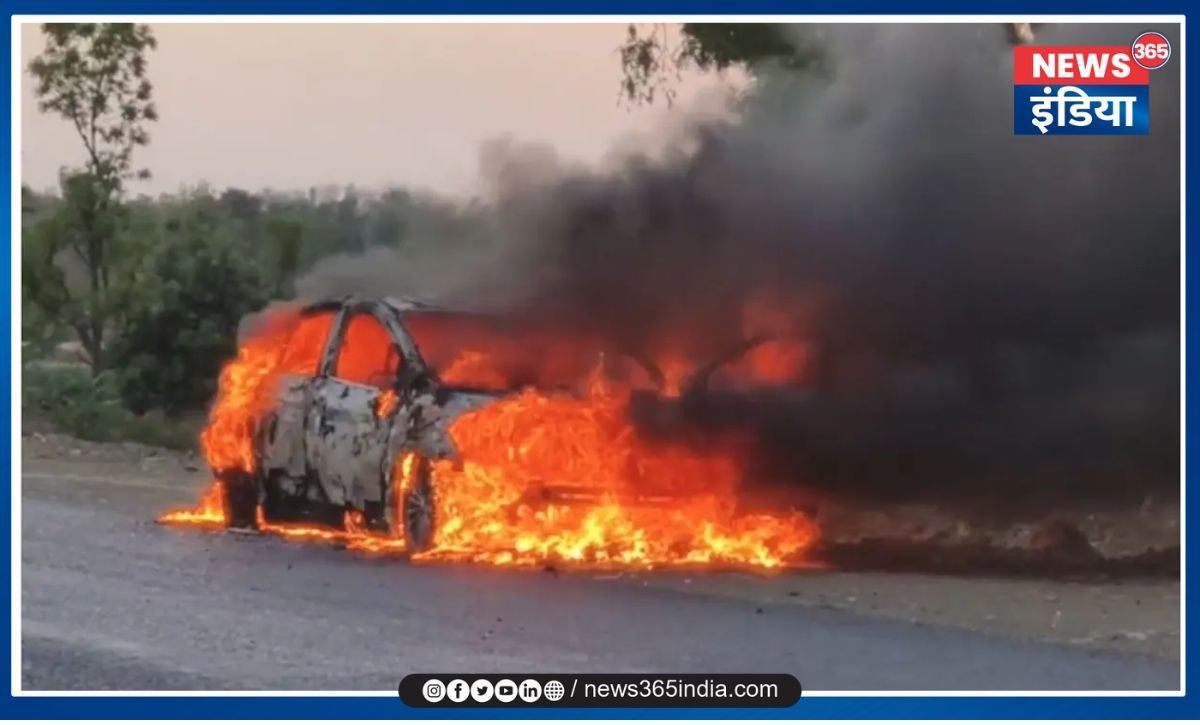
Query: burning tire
x,y
417,508
241,501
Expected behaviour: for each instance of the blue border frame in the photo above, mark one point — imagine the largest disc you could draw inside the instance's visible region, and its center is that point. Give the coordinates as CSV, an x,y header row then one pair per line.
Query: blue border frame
x,y
616,8
390,707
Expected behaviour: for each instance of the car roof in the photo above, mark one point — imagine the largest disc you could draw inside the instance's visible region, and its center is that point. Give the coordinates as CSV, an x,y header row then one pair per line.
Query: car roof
x,y
402,305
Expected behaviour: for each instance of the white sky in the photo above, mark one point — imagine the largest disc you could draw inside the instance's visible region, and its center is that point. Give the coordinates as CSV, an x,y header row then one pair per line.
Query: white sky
x,y
292,106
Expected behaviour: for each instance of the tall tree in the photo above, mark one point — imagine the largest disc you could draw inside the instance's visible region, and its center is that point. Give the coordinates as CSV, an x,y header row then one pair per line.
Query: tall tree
x,y
94,76
653,56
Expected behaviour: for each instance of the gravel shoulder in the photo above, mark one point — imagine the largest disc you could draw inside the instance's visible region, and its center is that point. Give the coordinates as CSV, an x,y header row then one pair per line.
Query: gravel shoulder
x,y
1119,616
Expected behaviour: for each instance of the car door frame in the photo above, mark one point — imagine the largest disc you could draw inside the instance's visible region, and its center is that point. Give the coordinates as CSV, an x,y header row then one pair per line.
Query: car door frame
x,y
344,426
283,439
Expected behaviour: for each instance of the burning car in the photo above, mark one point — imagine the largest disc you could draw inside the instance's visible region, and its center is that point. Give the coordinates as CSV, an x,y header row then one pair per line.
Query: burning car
x,y
457,435
353,394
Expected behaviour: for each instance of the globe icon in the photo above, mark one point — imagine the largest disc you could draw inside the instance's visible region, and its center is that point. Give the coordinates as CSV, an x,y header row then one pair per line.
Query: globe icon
x,y
554,691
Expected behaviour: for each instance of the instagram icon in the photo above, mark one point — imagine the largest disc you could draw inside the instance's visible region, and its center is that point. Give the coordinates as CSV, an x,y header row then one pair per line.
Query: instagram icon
x,y
433,690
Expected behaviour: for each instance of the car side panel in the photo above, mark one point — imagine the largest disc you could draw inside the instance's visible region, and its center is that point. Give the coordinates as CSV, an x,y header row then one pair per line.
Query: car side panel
x,y
346,444
283,440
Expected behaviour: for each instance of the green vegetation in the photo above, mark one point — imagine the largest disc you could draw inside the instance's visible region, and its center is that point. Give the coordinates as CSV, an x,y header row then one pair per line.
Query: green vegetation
x,y
90,408
148,292
93,75
654,56
193,265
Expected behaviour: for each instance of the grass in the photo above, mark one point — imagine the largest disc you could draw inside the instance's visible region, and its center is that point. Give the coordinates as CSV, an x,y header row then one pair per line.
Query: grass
x,y
89,408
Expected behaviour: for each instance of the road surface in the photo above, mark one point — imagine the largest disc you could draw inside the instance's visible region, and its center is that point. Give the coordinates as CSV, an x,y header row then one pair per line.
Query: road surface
x,y
112,601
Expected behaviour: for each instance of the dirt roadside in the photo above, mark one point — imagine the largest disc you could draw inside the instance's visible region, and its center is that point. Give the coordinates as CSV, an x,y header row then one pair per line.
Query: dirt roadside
x,y
1132,615
1122,616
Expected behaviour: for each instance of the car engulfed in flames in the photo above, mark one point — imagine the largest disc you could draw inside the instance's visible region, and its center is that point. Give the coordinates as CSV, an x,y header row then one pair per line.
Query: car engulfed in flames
x,y
392,426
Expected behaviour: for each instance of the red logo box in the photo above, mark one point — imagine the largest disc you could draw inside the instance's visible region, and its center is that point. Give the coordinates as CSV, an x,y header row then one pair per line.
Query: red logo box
x,y
1076,65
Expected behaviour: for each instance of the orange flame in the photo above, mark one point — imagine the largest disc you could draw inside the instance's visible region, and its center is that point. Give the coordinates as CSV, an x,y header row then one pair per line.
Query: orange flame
x,y
567,480
473,369
209,512
674,371
386,404
774,362
285,342
543,477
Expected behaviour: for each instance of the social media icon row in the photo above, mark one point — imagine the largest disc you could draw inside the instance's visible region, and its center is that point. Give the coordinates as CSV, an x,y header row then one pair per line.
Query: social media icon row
x,y
484,690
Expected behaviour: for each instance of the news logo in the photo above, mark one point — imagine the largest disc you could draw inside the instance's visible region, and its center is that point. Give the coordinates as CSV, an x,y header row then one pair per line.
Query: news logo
x,y
1086,89
1151,50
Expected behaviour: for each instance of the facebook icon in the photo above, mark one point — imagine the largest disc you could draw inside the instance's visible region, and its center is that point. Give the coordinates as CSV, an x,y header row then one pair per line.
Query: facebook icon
x,y
458,691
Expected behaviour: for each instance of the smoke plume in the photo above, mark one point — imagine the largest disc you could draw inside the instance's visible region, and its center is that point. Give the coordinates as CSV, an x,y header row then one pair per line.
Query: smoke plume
x,y
994,313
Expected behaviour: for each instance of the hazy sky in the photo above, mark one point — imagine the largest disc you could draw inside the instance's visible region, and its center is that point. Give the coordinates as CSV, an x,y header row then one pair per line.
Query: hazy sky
x,y
290,106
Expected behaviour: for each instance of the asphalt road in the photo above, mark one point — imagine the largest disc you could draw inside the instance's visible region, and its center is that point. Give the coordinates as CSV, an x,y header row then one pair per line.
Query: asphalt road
x,y
112,601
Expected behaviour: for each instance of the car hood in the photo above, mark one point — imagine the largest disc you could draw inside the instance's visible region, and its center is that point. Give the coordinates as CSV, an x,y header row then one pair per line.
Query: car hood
x,y
456,402
432,416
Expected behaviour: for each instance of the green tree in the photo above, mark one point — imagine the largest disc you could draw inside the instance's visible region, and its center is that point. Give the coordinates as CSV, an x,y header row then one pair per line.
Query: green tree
x,y
198,286
654,56
286,236
94,76
387,219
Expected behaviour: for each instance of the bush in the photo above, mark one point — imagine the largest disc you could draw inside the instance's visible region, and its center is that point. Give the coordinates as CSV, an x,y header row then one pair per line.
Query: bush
x,y
90,408
71,397
184,327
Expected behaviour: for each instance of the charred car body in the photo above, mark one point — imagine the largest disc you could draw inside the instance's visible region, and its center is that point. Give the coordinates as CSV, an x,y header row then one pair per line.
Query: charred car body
x,y
363,383
341,417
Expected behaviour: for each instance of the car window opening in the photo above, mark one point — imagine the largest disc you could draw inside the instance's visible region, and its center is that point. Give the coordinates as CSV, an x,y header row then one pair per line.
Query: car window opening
x,y
302,355
368,355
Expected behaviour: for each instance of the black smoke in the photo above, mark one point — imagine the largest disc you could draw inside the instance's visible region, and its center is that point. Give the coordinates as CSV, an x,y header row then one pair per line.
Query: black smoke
x,y
996,314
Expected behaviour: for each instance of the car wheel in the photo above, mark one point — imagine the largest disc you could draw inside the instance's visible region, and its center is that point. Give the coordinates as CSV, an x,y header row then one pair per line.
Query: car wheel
x,y
241,501
417,509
